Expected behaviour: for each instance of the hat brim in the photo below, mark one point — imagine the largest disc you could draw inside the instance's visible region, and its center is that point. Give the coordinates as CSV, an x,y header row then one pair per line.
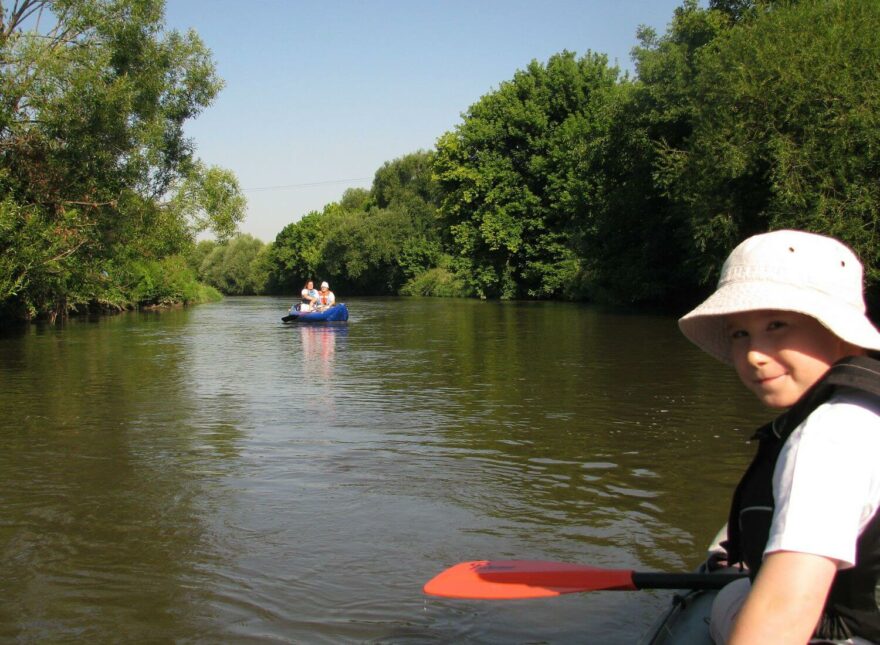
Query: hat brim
x,y
706,326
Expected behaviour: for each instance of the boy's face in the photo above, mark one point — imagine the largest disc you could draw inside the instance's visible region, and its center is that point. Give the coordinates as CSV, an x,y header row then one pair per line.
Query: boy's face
x,y
780,354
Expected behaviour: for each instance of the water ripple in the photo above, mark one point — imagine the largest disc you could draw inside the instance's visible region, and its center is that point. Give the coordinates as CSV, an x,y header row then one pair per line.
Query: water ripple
x,y
212,475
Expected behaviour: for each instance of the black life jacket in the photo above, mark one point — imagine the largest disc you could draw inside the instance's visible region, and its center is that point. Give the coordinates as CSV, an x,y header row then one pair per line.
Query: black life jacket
x,y
852,606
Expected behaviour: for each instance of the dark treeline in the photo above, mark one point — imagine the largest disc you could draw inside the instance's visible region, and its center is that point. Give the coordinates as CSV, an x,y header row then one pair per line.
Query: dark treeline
x,y
573,181
570,180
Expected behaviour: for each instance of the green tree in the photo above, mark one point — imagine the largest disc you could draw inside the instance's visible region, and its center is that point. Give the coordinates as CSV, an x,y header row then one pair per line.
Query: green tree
x,y
209,198
199,252
504,174
296,253
372,241
407,186
95,96
355,199
362,251
233,267
786,131
635,241
261,270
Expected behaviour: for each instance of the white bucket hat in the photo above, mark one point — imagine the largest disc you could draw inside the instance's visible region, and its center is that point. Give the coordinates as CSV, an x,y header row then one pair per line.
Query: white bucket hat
x,y
324,284
790,271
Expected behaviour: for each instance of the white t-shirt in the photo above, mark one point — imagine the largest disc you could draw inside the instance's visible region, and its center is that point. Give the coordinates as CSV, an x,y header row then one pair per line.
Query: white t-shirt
x,y
831,463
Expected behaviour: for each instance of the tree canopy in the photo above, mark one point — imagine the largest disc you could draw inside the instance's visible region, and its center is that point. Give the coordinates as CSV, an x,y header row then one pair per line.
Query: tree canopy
x,y
508,176
96,173
786,132
569,180
572,181
236,267
370,242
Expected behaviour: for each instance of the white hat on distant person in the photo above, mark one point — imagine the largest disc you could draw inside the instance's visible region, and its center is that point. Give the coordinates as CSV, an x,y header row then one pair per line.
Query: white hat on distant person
x,y
324,284
790,271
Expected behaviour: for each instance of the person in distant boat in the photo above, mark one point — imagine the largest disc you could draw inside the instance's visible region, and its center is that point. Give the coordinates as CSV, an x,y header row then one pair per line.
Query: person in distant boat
x,y
789,316
326,298
309,296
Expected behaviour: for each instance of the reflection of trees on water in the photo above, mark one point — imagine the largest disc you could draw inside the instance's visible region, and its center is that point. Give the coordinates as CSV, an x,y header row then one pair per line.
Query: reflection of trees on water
x,y
609,427
105,526
139,451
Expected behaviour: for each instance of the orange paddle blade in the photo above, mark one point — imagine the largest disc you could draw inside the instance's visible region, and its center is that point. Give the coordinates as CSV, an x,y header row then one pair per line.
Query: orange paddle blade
x,y
508,579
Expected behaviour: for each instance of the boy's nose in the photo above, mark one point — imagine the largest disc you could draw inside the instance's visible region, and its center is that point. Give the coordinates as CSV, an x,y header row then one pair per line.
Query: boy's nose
x,y
756,355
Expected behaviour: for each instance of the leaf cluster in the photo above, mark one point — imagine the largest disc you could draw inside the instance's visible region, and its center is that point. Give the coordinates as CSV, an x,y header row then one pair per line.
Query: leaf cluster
x,y
786,132
570,181
510,176
237,267
93,157
371,241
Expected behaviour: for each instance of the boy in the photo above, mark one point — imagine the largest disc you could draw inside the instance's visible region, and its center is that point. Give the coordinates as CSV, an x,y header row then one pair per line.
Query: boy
x,y
789,315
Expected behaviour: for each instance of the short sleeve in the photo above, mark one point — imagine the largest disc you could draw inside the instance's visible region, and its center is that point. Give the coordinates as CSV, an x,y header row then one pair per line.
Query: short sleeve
x,y
826,484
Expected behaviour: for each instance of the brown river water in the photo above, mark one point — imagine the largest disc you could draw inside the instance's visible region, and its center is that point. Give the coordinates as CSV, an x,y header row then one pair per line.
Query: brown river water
x,y
213,475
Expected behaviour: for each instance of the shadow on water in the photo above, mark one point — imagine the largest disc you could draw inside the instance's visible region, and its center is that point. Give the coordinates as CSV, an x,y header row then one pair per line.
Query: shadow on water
x,y
215,475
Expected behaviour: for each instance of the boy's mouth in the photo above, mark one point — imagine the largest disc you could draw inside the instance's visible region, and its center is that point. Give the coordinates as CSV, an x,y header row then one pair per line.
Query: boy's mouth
x,y
767,380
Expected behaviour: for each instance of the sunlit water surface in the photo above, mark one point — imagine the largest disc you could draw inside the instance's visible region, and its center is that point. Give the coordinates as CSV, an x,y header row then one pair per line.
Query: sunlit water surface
x,y
214,475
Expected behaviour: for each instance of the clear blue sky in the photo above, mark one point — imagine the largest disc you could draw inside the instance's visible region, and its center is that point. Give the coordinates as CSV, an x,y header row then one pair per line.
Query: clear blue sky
x,y
320,94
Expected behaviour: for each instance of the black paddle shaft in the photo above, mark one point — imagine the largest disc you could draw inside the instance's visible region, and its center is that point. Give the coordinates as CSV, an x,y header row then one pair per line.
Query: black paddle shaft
x,y
684,580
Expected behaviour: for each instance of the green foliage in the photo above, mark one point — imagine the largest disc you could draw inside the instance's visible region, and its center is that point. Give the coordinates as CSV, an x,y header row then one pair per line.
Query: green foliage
x,y
125,283
371,241
261,270
95,96
742,10
38,262
362,250
635,240
164,282
567,181
296,253
571,182
199,252
407,185
209,199
786,132
438,281
506,177
418,253
353,248
355,199
236,267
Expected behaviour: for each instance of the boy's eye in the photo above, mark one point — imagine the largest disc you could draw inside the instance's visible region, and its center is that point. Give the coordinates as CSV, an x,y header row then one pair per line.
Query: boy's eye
x,y
776,324
738,333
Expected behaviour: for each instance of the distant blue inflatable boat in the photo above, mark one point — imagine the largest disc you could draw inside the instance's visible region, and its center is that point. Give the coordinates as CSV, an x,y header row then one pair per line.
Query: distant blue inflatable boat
x,y
336,313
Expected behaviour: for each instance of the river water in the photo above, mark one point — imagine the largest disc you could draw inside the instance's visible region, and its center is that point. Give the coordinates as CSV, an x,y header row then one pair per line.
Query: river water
x,y
213,475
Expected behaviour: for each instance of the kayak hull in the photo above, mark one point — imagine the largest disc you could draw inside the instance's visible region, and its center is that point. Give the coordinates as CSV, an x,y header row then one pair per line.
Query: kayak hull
x,y
336,313
686,622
